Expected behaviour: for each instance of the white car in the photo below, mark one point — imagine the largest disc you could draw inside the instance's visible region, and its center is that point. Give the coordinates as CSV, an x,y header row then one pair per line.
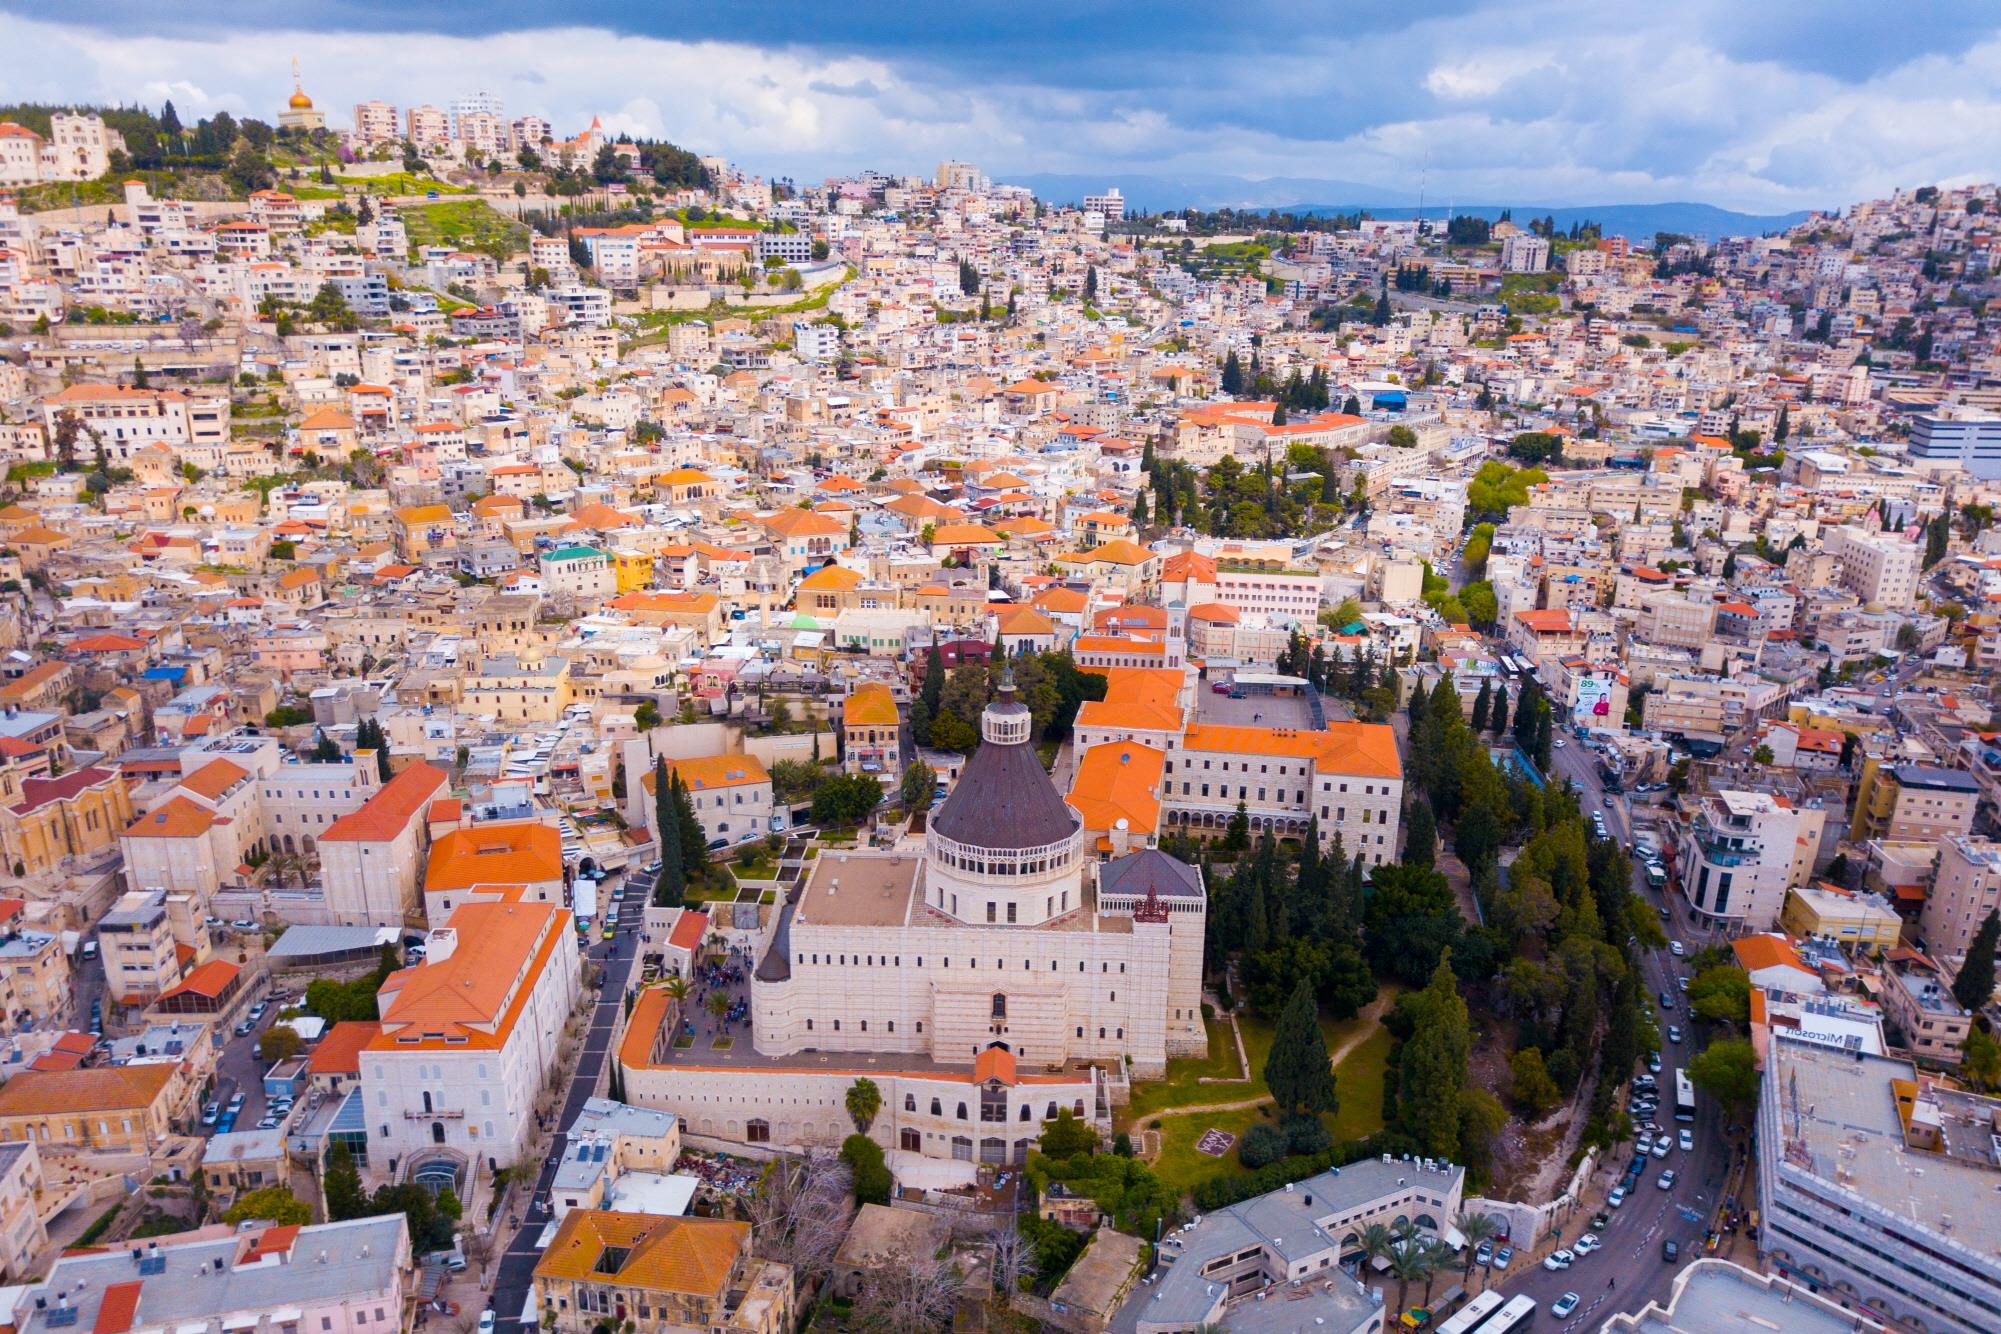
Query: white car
x,y
1674,948
1586,1244
1558,1259
1687,1140
1661,1147
1617,1197
1564,1305
1666,1180
486,1321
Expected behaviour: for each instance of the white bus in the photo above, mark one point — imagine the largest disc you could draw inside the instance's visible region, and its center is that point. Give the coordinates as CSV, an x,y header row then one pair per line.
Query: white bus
x,y
1472,1313
1518,1314
1684,1097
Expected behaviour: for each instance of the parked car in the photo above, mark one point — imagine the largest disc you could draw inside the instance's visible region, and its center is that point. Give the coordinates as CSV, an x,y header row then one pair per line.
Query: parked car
x,y
1661,1147
1503,1257
486,1321
1601,1220
1617,1197
1687,1140
1586,1244
1484,1253
1670,1249
211,1113
1564,1305
1558,1259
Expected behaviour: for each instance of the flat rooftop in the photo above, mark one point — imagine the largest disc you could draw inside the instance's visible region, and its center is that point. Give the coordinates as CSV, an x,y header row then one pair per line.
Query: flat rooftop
x,y
1846,1130
1718,1295
858,889
1253,710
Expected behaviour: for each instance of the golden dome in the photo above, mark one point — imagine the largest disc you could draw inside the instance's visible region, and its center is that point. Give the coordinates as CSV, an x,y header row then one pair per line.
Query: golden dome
x,y
300,102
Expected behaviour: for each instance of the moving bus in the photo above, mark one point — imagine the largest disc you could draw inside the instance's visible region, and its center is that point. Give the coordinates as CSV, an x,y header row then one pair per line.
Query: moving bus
x,y
1472,1313
1684,1097
1515,1316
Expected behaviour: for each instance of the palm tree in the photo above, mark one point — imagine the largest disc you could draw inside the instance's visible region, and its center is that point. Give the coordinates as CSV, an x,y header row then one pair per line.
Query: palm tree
x,y
719,1003
1442,1257
1411,1258
1376,1241
1476,1228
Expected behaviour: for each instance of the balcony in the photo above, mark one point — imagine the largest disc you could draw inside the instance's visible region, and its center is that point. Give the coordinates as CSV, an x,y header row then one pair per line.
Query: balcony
x,y
441,1114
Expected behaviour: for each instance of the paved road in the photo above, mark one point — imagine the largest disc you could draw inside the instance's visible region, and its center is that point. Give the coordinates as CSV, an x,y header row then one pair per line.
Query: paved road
x,y
1632,1242
618,958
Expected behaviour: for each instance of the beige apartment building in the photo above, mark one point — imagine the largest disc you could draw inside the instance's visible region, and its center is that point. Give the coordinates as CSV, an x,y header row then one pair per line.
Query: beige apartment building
x,y
1913,803
1881,569
1965,888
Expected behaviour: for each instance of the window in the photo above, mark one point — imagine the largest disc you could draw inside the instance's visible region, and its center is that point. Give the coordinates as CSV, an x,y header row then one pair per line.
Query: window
x,y
757,1132
1000,1005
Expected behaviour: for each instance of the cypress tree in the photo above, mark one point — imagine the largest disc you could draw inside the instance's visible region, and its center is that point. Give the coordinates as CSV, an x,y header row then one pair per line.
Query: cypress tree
x,y
1417,702
1482,704
1298,1072
673,883
1974,986
1499,717
1420,845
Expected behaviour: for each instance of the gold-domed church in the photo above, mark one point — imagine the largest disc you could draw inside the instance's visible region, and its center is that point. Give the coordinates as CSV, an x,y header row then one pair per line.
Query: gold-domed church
x,y
299,112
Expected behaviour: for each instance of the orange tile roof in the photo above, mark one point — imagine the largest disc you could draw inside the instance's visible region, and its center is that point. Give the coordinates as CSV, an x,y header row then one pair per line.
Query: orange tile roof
x,y
178,818
1368,749
477,992
103,1088
1766,951
511,854
663,1254
802,523
708,772
1184,565
1025,621
1121,552
1062,601
213,779
689,928
1119,780
339,1052
390,811
962,534
210,979
870,704
830,579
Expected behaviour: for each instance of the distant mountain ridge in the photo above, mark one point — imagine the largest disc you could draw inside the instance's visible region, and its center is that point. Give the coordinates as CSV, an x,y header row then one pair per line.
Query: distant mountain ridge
x,y
1636,222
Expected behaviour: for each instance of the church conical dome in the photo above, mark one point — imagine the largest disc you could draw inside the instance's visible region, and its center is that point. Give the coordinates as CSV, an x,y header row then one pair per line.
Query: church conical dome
x,y
1004,799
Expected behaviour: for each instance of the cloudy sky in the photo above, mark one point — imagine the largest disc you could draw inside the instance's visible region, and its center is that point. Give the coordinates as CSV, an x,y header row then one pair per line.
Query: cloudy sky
x,y
1763,105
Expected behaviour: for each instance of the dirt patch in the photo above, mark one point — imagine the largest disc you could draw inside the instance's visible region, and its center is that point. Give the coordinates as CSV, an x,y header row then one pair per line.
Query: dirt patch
x,y
1531,1160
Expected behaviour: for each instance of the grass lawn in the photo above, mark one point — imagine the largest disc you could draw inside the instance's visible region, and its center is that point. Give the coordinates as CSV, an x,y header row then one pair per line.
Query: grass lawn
x,y
1183,1086
1180,1165
401,183
1359,1079
468,224
764,868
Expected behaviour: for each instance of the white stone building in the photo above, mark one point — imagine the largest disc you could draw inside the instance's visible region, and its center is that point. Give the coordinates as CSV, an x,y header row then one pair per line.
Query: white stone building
x,y
468,1037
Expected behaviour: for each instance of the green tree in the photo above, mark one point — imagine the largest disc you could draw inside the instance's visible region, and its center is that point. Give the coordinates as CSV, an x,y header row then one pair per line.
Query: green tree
x,y
1237,834
279,1042
341,1186
864,1100
872,1180
920,781
1721,994
1762,756
1067,1136
672,886
647,716
1973,986
846,799
1727,1070
1483,705
275,1204
1529,1083
1420,844
1431,1071
1298,1071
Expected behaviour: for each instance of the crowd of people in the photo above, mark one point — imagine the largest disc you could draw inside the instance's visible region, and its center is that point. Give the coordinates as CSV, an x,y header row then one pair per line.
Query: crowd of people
x,y
722,1176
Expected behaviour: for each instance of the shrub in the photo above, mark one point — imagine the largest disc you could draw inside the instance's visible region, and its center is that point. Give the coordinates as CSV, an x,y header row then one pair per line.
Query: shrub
x,y
1307,1134
1261,1145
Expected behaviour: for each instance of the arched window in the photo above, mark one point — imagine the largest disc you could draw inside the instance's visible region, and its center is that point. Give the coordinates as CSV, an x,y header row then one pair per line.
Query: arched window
x,y
437,1132
757,1132
1000,1005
